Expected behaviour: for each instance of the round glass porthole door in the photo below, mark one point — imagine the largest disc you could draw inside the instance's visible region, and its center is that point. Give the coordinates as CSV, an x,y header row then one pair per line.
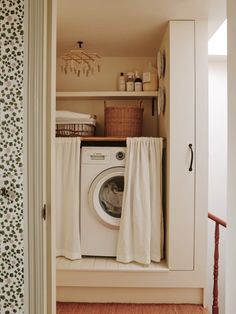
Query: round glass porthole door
x,y
106,194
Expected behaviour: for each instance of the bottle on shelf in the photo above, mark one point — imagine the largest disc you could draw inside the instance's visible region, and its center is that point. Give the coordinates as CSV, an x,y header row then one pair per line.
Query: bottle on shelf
x,y
130,82
121,82
138,83
150,78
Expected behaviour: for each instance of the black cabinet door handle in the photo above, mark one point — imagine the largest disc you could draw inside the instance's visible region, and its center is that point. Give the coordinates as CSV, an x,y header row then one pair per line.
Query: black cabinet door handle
x,y
191,162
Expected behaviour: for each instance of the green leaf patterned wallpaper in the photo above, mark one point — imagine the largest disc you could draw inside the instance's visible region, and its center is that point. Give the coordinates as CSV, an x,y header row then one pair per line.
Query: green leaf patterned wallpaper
x,y
11,157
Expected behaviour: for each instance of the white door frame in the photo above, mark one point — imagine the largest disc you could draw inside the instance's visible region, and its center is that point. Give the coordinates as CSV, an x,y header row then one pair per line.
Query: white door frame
x,y
230,301
39,107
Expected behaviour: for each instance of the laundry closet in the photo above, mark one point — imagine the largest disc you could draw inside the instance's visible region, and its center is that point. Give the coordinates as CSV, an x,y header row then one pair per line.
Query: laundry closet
x,y
177,113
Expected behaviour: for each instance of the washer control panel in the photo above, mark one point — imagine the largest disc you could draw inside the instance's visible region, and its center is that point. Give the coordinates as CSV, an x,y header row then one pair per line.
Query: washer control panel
x,y
109,156
98,156
120,155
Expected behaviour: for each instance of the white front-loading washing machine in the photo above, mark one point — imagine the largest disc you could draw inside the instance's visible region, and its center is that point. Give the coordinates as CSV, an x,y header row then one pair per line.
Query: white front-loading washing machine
x,y
102,186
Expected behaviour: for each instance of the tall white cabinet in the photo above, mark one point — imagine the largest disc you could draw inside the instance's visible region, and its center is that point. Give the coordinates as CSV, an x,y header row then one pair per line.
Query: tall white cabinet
x,y
177,125
180,123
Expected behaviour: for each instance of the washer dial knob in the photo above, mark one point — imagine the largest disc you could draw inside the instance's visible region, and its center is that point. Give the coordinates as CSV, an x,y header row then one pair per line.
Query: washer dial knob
x,y
120,155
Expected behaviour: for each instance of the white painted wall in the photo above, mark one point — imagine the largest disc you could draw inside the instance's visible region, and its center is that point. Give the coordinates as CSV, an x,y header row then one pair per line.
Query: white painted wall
x,y
231,191
217,170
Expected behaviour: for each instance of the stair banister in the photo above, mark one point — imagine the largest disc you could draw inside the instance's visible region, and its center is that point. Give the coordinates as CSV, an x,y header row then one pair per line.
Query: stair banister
x,y
218,222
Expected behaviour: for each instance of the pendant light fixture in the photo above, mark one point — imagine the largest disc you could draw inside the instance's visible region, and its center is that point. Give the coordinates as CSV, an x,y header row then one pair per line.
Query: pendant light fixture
x,y
80,61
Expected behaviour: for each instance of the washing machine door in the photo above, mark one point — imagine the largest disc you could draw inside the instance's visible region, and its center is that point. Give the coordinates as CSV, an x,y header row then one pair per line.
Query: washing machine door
x,y
105,196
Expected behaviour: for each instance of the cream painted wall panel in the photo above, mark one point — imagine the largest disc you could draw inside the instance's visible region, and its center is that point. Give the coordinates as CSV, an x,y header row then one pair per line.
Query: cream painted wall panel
x,y
106,80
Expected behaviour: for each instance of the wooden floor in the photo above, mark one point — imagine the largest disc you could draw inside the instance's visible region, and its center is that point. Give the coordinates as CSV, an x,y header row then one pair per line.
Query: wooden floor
x,y
115,308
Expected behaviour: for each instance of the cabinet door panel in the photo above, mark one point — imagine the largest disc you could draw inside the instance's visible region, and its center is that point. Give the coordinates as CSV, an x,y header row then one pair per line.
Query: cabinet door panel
x,y
181,134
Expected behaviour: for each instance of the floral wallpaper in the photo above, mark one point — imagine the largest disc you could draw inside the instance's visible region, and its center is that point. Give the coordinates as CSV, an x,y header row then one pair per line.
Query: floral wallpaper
x,y
11,157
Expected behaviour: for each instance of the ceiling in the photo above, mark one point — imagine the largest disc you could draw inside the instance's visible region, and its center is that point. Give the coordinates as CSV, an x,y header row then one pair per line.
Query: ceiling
x,y
127,27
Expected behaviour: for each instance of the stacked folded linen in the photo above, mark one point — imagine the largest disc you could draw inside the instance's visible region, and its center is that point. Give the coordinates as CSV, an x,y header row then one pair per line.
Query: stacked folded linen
x,y
66,117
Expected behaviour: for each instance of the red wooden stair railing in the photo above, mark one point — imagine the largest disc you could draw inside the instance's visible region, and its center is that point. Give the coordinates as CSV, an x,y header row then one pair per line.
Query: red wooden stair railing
x,y
218,222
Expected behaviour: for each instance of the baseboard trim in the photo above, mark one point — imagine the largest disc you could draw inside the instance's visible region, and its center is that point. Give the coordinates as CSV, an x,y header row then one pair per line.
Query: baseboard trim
x,y
130,295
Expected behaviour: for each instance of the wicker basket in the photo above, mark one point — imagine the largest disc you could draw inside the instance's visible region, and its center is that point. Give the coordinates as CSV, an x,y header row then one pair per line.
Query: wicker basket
x,y
78,129
125,121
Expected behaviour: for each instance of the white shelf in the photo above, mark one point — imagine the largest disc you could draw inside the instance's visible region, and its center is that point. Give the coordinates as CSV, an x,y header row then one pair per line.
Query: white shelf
x,y
107,95
103,264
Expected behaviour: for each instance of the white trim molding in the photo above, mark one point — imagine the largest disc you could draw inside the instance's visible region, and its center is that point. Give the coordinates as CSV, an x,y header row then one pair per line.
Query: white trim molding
x,y
231,197
34,146
50,89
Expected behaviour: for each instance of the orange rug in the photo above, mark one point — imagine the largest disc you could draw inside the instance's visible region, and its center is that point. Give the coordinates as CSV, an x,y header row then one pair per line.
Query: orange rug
x,y
118,308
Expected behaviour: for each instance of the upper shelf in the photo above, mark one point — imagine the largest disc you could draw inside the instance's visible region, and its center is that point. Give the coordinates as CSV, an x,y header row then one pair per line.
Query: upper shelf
x,y
106,95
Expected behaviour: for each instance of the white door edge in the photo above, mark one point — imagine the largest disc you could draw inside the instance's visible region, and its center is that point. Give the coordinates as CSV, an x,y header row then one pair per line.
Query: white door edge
x,y
33,168
25,161
39,92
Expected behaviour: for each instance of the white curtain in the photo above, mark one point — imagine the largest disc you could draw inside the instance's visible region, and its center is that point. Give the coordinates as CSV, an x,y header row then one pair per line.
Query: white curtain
x,y
67,198
141,227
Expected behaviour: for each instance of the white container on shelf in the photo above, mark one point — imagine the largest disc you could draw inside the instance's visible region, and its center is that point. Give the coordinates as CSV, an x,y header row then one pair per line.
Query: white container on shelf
x,y
130,82
121,82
